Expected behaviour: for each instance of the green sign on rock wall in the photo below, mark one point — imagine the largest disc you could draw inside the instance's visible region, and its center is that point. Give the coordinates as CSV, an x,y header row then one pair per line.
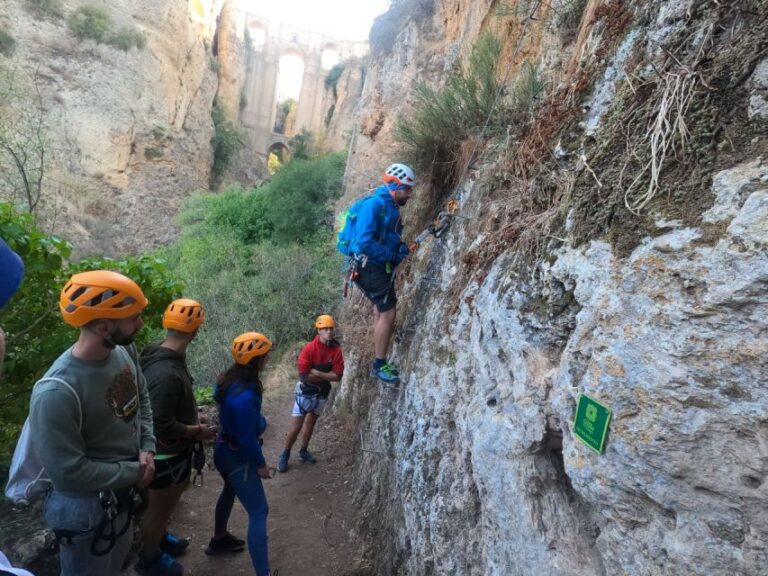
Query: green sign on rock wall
x,y
591,423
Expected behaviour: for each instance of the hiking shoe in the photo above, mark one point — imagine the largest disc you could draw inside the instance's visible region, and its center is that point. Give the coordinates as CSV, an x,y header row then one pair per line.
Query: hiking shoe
x,y
307,456
162,565
173,545
282,463
386,374
225,545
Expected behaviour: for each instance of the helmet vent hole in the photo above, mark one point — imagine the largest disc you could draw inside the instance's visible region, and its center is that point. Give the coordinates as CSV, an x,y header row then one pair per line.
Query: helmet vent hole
x,y
77,293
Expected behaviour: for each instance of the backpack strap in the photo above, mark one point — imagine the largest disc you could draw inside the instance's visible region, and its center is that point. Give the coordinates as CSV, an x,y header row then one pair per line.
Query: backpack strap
x,y
68,387
130,352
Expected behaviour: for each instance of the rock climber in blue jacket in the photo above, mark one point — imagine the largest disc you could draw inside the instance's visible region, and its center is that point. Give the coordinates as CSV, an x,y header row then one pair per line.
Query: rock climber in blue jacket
x,y
380,244
237,452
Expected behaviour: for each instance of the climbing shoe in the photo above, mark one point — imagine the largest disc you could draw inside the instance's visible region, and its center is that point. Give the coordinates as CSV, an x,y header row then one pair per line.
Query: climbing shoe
x,y
387,374
225,545
173,545
307,456
162,565
282,462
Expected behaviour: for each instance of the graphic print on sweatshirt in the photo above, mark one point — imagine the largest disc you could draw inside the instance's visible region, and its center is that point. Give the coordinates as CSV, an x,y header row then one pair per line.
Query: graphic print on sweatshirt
x,y
123,396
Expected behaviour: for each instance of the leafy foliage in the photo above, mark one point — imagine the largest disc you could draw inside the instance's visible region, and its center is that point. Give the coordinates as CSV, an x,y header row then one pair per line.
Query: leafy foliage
x,y
443,118
45,7
204,396
274,289
127,38
285,116
260,259
300,194
302,145
473,101
245,213
332,78
7,44
227,139
26,151
94,23
89,23
36,333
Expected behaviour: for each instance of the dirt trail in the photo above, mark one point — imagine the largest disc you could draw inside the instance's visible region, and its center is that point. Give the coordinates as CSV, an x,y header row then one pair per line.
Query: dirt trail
x,y
310,508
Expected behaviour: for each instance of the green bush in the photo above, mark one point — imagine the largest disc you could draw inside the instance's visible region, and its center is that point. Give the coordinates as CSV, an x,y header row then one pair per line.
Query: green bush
x,y
7,44
251,275
472,102
332,78
89,23
245,213
302,145
300,195
442,118
45,7
274,289
151,153
127,38
36,333
227,139
329,114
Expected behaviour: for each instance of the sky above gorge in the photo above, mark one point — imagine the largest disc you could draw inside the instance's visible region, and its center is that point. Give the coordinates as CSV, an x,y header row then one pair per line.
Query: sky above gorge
x,y
342,19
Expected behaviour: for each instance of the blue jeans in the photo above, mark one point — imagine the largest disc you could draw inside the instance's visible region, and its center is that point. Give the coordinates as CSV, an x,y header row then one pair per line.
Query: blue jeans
x,y
241,476
81,512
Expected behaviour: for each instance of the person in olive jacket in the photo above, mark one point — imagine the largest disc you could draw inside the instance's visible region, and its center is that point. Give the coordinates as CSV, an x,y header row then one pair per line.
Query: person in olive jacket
x,y
177,428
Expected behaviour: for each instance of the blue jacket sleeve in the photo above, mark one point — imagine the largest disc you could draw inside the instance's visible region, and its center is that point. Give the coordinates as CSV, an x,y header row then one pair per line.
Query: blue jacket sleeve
x,y
250,425
369,224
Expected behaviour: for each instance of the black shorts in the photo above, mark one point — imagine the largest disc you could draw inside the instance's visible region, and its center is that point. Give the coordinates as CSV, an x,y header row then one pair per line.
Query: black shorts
x,y
378,285
173,471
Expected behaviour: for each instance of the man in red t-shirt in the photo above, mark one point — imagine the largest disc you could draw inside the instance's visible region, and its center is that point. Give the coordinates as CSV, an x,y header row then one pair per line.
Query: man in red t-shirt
x,y
320,363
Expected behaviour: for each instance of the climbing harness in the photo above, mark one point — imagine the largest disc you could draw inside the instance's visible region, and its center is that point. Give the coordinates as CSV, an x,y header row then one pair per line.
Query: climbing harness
x,y
174,466
198,463
354,264
113,503
307,402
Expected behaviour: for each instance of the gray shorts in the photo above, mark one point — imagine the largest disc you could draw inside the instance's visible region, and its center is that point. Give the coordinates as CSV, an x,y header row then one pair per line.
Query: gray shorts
x,y
304,404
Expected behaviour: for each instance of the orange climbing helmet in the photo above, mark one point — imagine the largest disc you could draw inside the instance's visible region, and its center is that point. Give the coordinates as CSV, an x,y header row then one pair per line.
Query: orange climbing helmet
x,y
183,315
248,346
325,321
100,295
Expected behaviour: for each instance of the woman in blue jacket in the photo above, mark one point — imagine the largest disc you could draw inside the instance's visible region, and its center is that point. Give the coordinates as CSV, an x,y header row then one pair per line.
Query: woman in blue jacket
x,y
237,452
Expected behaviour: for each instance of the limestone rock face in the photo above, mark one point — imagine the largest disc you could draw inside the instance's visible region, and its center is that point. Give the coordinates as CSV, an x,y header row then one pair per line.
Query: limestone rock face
x,y
341,124
133,128
758,102
471,466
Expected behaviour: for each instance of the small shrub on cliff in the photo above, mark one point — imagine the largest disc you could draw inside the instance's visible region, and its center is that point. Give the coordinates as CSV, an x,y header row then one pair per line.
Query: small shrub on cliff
x,y
332,78
127,38
473,102
7,44
89,23
50,8
442,118
152,153
227,139
569,20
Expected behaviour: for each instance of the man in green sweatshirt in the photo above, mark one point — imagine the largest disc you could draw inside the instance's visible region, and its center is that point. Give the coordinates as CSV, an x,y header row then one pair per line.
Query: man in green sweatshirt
x,y
93,425
177,428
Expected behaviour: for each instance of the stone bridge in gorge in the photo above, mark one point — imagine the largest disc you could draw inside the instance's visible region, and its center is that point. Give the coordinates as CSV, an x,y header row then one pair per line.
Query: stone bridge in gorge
x,y
285,87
